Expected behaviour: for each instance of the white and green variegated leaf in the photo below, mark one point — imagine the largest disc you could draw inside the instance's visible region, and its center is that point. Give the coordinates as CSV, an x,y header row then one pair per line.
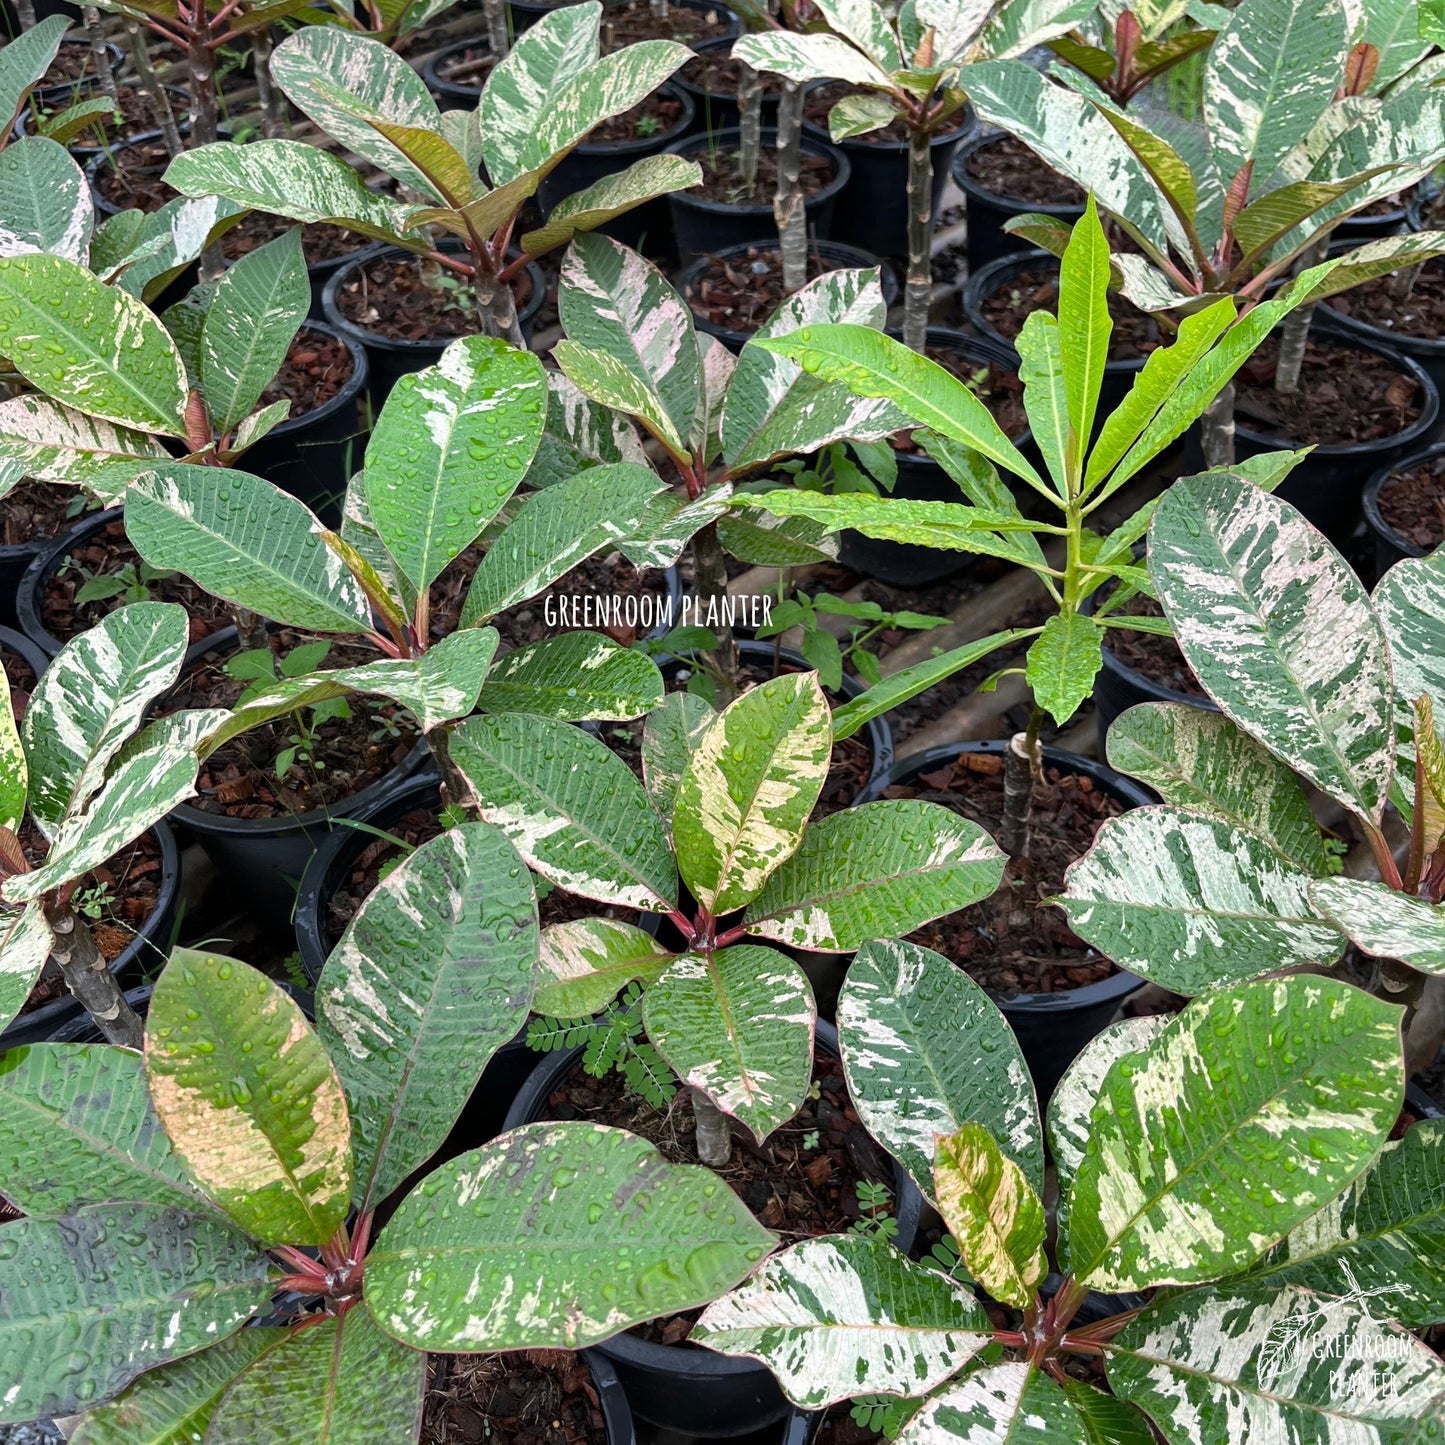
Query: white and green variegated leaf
x,y
1393,28
670,522
1383,921
1215,1367
165,243
24,62
451,445
867,26
89,1301
774,408
717,366
908,862
89,345
556,529
1201,760
92,698
579,433
674,729
614,195
246,541
1003,1404
292,179
584,963
748,788
925,1051
1191,901
1380,1241
845,1315
432,976
358,532
1195,1166
573,677
1410,602
1063,662
25,942
55,443
45,203
571,806
14,768
1378,258
992,1213
761,539
805,58
737,1023
1023,24
1279,632
614,384
540,1240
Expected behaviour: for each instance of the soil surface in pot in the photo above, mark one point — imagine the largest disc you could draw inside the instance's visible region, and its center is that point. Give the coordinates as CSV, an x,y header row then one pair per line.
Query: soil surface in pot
x,y
108,553
406,298
997,387
1014,942
1421,314
1007,167
135,118
523,1397
319,241
131,177
1413,503
714,73
1157,658
838,1427
822,98
723,182
469,67
72,62
332,758
625,24
1136,333
653,118
34,511
742,292
1346,396
21,679
316,369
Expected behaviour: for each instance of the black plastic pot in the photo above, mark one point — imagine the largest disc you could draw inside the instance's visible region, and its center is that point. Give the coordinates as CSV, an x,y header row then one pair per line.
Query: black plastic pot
x,y
526,13
921,479
717,110
86,151
1422,1104
704,227
873,209
987,211
1390,546
695,1391
18,645
454,94
1358,229
837,255
66,93
1051,1027
144,955
14,563
388,360
314,456
104,206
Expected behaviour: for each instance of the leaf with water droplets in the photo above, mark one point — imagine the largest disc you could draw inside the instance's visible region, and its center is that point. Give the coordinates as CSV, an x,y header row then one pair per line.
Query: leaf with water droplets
x,y
45,203
585,963
14,770
579,434
1385,922
1006,1404
25,942
674,728
25,60
55,443
573,677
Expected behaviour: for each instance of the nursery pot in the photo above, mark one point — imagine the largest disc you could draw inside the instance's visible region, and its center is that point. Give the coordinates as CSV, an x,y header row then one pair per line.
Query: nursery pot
x,y
313,456
704,227
44,9
717,110
837,256
65,93
84,151
988,210
1051,1028
1358,229
18,645
455,94
104,206
1390,546
390,358
696,1391
15,561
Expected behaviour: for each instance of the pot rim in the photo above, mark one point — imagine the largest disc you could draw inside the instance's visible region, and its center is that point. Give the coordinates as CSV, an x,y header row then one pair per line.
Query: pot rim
x,y
1377,484
986,135
842,171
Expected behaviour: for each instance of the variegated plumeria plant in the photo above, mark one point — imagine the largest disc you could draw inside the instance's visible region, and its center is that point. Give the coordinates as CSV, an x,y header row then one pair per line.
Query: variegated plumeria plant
x,y
1231,879
170,1194
1133,47
1289,146
538,104
1232,1160
717,840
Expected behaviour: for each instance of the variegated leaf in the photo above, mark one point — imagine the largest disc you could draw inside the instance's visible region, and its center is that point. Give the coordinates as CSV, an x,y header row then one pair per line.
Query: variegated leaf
x,y
165,243
844,1315
55,443
614,195
718,367
556,1236
92,698
806,58
1019,26
25,60
994,1216
612,383
1196,1165
1215,1367
89,345
737,1024
926,1051
748,789
674,728
579,433
1279,631
751,535
585,963
1383,921
249,1098
867,26
25,942
1201,760
573,677
670,522
1007,1404
14,769
908,862
1410,602
453,442
89,1301
1191,901
45,203
572,807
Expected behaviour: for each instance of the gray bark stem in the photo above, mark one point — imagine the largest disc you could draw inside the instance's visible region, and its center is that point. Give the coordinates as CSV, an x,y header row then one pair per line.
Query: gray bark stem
x,y
98,52
714,1140
496,16
274,125
1294,330
88,977
1401,286
157,101
1023,758
789,207
1425,1031
919,289
1216,427
497,309
25,14
201,61
750,123
711,578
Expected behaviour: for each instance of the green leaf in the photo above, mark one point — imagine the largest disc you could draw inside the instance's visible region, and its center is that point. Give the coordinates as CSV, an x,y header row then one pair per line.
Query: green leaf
x,y
1384,922
73,122
908,862
89,1301
1063,662
1183,1133
1084,322
432,976
24,62
1169,171
57,444
450,179
1200,760
578,434
566,1234
452,444
247,542
868,27
860,115
586,962
669,522
25,943
572,807
573,677
1046,402
1279,632
614,195
45,203
737,1025
806,58
844,1315
748,789
993,1215
249,1098
1410,602
926,1051
14,770
1107,1420
1007,1404
89,345
674,729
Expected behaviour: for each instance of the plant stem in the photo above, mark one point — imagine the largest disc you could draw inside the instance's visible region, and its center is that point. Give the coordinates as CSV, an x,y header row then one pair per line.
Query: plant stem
x,y
920,217
711,578
714,1141
456,790
157,101
273,119
1294,330
88,977
496,16
1023,762
1425,1027
1216,427
25,14
789,208
101,56
201,63
658,8
750,122
251,633
496,307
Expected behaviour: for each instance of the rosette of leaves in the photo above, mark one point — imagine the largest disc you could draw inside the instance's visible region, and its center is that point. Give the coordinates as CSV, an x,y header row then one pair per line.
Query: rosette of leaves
x,y
716,839
1290,144
1127,48
1316,680
538,104
1233,1160
169,1194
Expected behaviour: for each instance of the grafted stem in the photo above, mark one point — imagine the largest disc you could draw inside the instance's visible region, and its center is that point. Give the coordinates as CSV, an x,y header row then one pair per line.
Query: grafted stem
x,y
750,123
919,288
274,125
714,1140
495,12
1023,762
87,975
157,101
101,56
789,206
1216,429
496,307
1294,331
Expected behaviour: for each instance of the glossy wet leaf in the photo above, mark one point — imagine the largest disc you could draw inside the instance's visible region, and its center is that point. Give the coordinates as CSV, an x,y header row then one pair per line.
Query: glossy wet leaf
x,y
584,963
14,770
673,729
25,941
1383,921
45,203
1063,662
611,196
809,57
1410,602
579,433
573,676
25,60
55,443
1002,1404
